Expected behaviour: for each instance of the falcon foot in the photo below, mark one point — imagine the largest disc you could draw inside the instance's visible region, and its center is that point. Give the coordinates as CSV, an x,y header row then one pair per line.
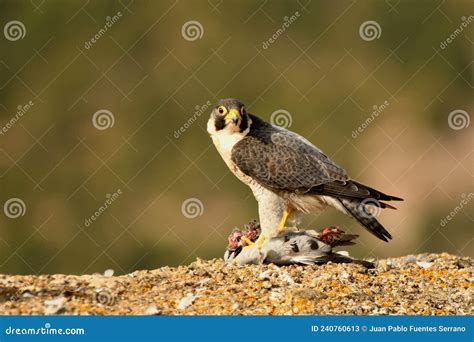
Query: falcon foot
x,y
291,246
249,237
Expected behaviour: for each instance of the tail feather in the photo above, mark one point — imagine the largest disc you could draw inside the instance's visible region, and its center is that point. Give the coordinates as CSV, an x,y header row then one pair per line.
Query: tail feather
x,y
356,208
352,190
384,205
381,196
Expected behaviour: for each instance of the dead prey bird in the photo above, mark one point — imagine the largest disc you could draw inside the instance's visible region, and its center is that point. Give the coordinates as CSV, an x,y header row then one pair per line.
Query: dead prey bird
x,y
287,174
291,246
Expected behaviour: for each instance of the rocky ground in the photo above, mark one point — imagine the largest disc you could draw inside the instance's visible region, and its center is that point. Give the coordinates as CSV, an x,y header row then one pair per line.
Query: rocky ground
x,y
426,284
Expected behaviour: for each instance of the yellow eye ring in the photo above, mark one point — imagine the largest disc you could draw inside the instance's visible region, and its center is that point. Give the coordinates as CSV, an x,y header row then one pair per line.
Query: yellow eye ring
x,y
242,110
222,110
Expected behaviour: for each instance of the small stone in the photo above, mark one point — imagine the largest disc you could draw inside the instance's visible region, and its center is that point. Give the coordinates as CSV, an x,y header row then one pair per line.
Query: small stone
x,y
265,275
151,310
186,301
108,273
54,306
410,259
287,278
275,296
344,275
424,264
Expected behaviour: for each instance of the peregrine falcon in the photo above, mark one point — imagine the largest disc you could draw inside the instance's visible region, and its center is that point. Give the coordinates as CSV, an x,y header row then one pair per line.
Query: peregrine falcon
x,y
287,174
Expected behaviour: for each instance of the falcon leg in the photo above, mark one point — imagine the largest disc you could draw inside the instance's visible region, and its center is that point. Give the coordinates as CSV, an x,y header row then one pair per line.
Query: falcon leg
x,y
271,207
258,242
284,218
261,238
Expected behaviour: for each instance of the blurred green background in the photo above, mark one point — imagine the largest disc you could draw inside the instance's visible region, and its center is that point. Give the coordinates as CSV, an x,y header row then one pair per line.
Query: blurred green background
x,y
152,75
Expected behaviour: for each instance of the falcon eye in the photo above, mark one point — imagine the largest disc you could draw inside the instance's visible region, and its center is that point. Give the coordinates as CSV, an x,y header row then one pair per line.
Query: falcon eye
x,y
222,110
242,110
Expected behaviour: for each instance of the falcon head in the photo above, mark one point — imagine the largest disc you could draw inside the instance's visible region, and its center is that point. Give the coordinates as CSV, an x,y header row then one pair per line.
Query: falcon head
x,y
229,116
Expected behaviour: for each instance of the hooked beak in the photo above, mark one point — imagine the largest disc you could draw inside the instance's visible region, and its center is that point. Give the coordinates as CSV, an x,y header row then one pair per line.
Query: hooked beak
x,y
233,116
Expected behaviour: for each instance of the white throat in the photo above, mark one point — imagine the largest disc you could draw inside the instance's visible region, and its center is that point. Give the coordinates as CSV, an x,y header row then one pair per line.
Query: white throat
x,y
224,140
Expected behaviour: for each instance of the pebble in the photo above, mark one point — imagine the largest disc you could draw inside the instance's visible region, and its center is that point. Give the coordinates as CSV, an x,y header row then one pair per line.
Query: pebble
x,y
54,306
151,310
108,273
424,264
186,301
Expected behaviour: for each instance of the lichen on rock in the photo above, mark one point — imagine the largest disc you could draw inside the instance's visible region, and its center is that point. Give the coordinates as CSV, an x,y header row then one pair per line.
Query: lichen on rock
x,y
395,286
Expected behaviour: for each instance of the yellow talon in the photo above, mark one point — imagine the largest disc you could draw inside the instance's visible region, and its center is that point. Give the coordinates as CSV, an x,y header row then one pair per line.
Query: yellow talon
x,y
284,218
258,242
247,240
261,239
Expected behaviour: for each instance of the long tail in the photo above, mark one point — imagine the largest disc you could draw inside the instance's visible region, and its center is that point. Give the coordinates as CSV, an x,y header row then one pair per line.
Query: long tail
x,y
358,209
358,199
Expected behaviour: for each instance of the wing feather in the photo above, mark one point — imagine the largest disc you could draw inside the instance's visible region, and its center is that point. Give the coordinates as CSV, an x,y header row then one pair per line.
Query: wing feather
x,y
282,160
